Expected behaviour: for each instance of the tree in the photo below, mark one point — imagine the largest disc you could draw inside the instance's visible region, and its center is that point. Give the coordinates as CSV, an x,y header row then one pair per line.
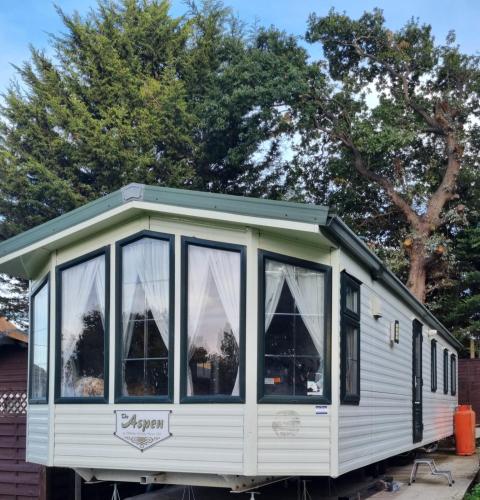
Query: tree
x,y
393,123
135,95
458,306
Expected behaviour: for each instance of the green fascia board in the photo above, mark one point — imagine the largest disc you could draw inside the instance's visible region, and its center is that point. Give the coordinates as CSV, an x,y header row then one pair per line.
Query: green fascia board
x,y
65,221
340,233
254,207
241,205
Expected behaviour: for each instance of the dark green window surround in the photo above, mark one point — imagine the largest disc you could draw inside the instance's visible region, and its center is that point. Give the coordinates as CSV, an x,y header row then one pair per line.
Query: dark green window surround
x,y
433,365
119,340
33,370
350,340
263,396
445,371
103,399
199,372
453,375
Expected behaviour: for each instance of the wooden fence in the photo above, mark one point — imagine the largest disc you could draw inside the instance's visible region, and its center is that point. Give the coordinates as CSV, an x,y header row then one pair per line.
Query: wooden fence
x,y
18,480
469,384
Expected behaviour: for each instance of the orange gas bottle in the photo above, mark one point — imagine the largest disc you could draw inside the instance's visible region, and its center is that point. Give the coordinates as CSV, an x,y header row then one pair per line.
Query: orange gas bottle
x,y
465,430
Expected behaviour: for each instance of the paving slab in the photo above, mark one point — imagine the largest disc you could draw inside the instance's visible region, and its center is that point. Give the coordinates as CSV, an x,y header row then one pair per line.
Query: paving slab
x,y
463,469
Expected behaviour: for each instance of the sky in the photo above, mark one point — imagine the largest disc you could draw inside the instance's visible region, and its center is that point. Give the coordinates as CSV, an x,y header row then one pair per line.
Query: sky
x,y
29,22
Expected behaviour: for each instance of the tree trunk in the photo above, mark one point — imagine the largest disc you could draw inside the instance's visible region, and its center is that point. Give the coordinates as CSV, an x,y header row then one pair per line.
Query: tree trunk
x,y
417,277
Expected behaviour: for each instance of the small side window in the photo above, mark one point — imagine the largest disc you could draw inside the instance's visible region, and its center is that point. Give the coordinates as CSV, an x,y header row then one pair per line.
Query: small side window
x,y
433,365
445,371
350,340
39,334
453,374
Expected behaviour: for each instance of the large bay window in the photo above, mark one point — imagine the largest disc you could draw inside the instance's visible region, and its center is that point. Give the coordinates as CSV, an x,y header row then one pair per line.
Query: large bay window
x,y
213,318
145,268
294,298
82,329
39,335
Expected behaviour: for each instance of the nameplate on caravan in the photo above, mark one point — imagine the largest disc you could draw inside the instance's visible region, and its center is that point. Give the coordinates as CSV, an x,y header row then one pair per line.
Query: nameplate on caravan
x,y
142,428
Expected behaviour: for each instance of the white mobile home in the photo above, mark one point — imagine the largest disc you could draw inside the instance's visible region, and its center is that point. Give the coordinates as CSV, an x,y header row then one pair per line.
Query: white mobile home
x,y
195,338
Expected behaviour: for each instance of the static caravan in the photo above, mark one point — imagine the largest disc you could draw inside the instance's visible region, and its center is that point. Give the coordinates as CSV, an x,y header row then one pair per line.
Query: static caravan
x,y
195,338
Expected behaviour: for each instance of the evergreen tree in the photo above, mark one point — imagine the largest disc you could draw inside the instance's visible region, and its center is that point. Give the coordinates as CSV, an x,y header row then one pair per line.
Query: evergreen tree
x,y
458,306
133,94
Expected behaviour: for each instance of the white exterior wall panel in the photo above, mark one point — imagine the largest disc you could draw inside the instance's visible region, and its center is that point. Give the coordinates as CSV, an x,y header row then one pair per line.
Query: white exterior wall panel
x,y
204,439
38,434
381,425
293,440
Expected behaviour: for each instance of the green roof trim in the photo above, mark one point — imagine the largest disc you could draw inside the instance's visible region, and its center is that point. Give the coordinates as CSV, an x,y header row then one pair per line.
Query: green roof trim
x,y
240,205
339,232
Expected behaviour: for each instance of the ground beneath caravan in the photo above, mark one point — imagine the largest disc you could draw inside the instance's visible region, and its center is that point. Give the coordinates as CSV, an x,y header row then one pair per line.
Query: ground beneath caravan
x,y
355,485
464,471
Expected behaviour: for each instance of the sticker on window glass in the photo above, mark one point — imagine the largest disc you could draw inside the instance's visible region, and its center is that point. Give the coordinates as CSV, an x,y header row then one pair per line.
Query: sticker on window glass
x,y
273,380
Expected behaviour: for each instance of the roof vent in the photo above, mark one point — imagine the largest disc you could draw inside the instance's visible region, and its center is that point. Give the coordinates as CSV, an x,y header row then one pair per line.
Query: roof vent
x,y
133,191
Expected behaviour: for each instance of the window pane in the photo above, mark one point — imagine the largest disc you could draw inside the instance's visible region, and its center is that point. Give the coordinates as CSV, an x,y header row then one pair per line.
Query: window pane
x,y
445,371
39,374
145,316
433,365
213,351
278,337
146,377
351,361
83,329
134,340
294,330
453,374
351,298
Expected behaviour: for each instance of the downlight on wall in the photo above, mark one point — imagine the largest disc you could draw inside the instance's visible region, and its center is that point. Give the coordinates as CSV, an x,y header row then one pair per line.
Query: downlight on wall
x,y
376,307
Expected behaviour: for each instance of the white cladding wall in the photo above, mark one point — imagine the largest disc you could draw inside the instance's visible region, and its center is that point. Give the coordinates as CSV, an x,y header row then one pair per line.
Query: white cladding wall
x,y
293,440
381,425
38,434
243,439
204,439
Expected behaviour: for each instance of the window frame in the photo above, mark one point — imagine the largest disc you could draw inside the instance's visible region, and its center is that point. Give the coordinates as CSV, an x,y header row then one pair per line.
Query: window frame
x,y
59,399
263,398
453,374
433,366
349,318
31,342
216,245
445,371
119,397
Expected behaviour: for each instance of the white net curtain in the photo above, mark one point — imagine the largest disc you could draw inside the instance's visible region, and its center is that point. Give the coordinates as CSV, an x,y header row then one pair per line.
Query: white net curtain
x,y
146,266
307,289
207,268
83,292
